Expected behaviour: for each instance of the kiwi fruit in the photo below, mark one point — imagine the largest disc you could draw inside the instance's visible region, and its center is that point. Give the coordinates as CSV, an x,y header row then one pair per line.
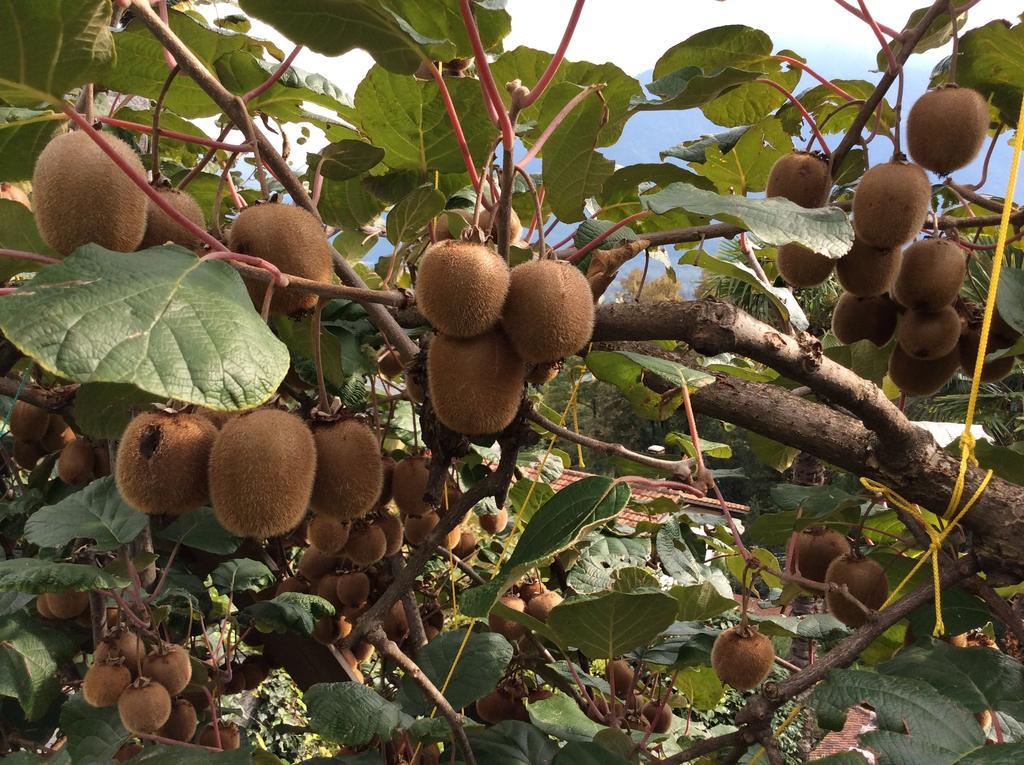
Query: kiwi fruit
x,y
395,622
442,227
494,523
162,462
409,484
866,271
57,435
217,419
549,313
800,177
327,534
330,629
349,471
802,267
865,580
28,422
466,545
127,751
366,545
327,588
930,275
170,666
461,287
230,736
453,538
417,527
891,204
658,717
182,723
14,194
27,453
530,588
816,548
104,682
290,238
292,584
394,532
497,707
67,604
101,461
43,605
742,658
314,563
362,651
864,318
620,675
76,461
81,196
929,335
262,467
921,378
991,371
946,128
542,373
122,643
414,391
510,629
144,706
353,589
160,229
389,363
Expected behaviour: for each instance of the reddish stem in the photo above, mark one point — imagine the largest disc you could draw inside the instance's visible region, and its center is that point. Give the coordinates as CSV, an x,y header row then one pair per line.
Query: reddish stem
x,y
492,113
483,70
823,80
453,117
235,197
22,255
140,181
534,222
278,73
251,260
600,238
807,117
4,291
174,134
162,8
559,118
848,6
556,60
893,68
318,183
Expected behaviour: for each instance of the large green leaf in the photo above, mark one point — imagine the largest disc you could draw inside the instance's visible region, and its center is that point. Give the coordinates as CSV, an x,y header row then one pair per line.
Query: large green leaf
x,y
94,735
241,574
745,168
18,232
37,576
689,87
628,372
97,512
695,149
289,612
200,530
348,204
349,158
481,666
48,47
777,221
30,653
512,743
103,410
350,714
593,571
161,320
166,754
991,61
587,753
1010,297
673,542
555,526
700,602
412,213
609,624
559,716
23,134
399,34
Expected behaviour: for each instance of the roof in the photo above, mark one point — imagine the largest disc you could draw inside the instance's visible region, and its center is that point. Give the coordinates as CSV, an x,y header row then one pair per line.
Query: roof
x,y
858,720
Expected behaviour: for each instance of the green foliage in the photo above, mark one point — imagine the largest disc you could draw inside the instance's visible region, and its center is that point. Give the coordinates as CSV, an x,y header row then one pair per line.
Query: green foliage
x,y
97,512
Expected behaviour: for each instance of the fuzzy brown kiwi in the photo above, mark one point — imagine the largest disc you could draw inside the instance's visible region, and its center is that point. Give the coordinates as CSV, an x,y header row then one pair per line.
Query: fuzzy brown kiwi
x,y
510,629
408,485
144,706
57,435
865,580
494,523
121,643
394,532
28,422
262,467
162,462
366,545
353,588
290,238
327,588
800,177
801,267
417,527
866,271
530,588
170,666
395,622
101,461
816,548
658,717
946,128
871,318
349,471
327,534
452,538
921,378
314,563
182,723
27,453
476,385
461,287
620,673
160,229
386,488
43,605
742,659
104,682
929,335
496,707
466,545
14,194
76,461
292,584
539,374
515,226
540,606
890,204
81,196
991,371
930,275
549,313
217,419
67,604
389,363
230,736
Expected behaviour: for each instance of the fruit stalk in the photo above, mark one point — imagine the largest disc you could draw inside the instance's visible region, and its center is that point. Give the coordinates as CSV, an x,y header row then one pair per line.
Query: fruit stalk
x,y
571,104
453,118
23,255
600,238
823,80
545,79
806,115
277,74
483,70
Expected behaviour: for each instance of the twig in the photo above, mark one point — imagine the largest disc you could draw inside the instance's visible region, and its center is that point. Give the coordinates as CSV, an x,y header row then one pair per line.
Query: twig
x,y
453,118
556,60
800,107
823,80
483,70
603,236
203,162
538,206
158,108
988,157
323,402
571,104
998,606
174,134
277,74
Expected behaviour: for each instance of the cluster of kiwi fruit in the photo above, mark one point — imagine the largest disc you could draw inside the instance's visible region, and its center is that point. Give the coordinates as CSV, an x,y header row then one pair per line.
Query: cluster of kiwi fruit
x,y
529,596
37,433
632,701
493,326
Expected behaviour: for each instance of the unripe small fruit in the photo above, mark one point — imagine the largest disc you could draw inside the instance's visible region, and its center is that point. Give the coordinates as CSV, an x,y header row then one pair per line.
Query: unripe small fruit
x,y
394,532
353,588
314,563
67,604
28,422
76,461
620,674
417,527
366,545
230,736
57,435
540,606
498,706
327,534
657,716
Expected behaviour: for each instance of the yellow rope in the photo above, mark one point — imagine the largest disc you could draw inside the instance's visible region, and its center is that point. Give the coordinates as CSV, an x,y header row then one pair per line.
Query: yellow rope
x,y
967,441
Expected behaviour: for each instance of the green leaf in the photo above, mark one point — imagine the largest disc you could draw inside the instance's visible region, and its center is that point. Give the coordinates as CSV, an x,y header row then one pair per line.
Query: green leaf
x,y
1006,463
294,612
96,512
775,221
746,167
593,571
700,602
628,371
713,449
30,653
348,159
673,544
200,530
939,32
103,410
556,525
48,47
241,574
592,228
700,686
991,61
689,86
587,753
695,150
162,320
481,666
23,134
609,624
94,735
559,716
960,612
1000,754
412,213
1010,297
512,743
773,454
348,204
165,754
37,576
350,714
18,232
